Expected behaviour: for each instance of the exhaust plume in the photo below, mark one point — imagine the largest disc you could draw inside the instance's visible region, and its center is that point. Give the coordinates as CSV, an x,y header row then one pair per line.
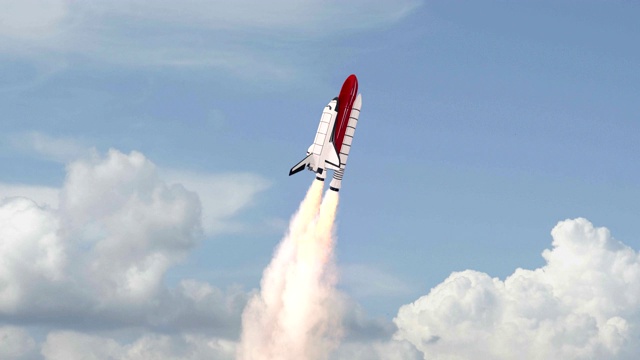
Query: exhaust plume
x,y
295,315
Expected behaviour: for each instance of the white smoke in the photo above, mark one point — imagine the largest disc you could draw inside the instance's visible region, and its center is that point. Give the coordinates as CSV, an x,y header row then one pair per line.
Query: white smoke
x,y
583,304
295,315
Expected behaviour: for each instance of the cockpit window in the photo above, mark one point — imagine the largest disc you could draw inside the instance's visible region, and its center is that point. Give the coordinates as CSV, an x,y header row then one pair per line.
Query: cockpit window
x,y
337,102
332,100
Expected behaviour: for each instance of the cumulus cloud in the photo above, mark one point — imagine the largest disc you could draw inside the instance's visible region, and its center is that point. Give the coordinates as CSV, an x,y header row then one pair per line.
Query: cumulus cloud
x,y
583,304
377,350
63,345
90,270
98,259
43,196
367,337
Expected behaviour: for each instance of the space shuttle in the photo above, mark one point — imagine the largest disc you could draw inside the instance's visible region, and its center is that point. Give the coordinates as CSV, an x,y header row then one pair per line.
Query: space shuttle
x,y
331,146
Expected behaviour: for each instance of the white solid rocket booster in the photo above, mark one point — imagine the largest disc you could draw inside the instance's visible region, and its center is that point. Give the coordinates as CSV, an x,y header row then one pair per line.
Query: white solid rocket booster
x,y
336,182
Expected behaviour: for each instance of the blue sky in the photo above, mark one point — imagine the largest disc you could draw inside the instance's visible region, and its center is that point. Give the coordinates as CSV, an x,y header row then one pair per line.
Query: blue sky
x,y
483,125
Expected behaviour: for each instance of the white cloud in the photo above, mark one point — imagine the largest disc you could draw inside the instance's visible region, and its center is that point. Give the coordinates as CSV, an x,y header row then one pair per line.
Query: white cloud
x,y
63,345
91,270
31,18
16,344
312,15
56,149
42,195
367,281
95,265
100,257
377,350
583,304
369,338
31,250
249,38
222,196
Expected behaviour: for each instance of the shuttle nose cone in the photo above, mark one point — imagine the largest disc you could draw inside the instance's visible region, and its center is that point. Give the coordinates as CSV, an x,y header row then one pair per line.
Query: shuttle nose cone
x,y
350,85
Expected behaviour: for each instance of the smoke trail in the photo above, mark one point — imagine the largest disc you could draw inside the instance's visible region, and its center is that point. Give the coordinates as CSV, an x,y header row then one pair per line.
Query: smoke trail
x,y
294,316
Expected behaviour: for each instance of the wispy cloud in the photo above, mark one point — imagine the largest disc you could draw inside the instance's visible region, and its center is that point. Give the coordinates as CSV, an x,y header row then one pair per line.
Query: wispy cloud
x,y
31,19
367,281
58,149
247,37
326,17
221,195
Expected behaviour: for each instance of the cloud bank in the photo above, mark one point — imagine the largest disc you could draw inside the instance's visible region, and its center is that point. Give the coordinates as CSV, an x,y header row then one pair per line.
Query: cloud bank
x,y
95,261
583,304
88,273
63,345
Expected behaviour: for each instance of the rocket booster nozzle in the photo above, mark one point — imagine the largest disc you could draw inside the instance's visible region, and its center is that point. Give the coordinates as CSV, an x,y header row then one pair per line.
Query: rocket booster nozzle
x,y
336,182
